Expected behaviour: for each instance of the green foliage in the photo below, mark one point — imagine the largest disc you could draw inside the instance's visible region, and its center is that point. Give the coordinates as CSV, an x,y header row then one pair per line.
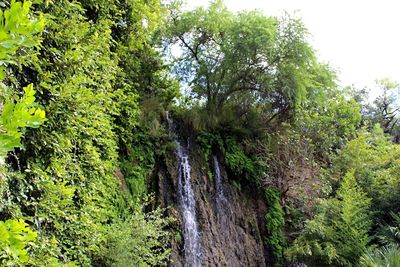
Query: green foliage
x,y
207,141
17,29
328,117
381,257
19,246
242,62
15,237
390,233
87,77
355,217
376,165
338,233
275,222
237,160
69,163
16,116
140,240
139,163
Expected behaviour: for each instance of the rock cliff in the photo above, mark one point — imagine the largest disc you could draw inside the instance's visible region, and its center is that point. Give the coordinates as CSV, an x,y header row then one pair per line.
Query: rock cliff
x,y
230,220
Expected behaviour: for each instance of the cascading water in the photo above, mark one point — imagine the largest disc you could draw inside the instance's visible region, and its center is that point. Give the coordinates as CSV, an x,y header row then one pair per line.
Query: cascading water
x,y
219,224
224,211
188,204
220,194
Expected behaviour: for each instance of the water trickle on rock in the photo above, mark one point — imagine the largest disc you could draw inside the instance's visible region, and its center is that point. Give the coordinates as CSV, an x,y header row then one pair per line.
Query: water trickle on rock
x,y
191,236
223,212
219,188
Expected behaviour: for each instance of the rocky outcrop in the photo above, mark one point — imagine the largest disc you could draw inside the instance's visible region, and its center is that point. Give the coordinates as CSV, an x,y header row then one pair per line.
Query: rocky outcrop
x,y
231,230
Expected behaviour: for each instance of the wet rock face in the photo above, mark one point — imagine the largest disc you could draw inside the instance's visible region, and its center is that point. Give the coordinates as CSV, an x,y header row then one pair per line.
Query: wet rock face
x,y
230,223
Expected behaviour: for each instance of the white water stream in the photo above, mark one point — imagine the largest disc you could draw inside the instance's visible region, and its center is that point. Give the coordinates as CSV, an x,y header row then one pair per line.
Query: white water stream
x,y
187,203
220,194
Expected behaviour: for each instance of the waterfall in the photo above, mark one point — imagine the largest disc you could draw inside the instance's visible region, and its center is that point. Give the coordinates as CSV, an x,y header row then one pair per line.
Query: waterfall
x,y
187,203
220,194
224,211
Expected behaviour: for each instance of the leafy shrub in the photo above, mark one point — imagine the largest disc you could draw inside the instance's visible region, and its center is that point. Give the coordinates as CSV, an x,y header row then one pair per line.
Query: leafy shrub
x,y
236,159
15,240
87,80
390,233
17,29
139,240
139,162
274,219
208,141
16,116
338,233
376,164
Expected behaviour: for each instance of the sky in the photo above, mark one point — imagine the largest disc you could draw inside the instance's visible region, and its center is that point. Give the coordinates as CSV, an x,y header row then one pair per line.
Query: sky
x,y
359,39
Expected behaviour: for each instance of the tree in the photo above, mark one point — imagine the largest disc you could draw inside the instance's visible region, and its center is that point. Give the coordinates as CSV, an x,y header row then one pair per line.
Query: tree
x,y
328,117
247,60
385,109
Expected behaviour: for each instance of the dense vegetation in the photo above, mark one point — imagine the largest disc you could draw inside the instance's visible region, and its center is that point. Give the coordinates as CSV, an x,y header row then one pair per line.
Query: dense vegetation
x,y
84,85
61,182
329,155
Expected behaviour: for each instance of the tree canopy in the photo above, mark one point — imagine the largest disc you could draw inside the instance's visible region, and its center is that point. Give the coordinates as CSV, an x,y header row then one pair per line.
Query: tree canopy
x,y
246,59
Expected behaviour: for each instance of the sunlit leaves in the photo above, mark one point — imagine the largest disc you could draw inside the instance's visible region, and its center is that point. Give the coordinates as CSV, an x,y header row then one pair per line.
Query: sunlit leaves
x,y
15,237
138,240
376,164
18,28
96,56
15,117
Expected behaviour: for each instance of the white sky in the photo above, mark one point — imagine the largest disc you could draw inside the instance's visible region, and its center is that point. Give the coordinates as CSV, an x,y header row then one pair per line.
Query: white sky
x,y
359,39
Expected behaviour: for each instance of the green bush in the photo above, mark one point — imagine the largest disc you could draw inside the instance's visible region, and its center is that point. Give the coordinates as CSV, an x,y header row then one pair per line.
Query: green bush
x,y
275,222
87,76
237,160
15,117
207,141
140,240
338,233
15,238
